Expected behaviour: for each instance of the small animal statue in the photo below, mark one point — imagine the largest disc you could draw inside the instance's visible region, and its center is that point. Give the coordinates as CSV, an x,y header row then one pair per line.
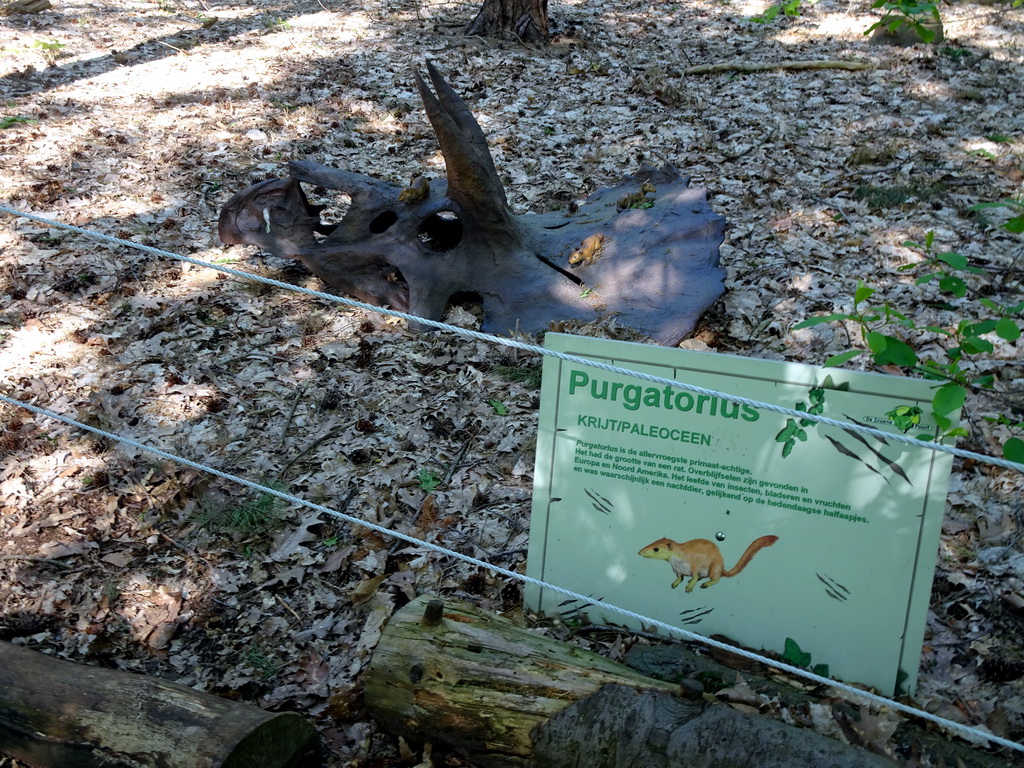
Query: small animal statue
x,y
700,559
417,191
634,199
588,251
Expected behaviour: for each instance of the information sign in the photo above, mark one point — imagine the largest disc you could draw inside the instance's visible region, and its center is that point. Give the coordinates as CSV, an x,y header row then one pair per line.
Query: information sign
x,y
725,519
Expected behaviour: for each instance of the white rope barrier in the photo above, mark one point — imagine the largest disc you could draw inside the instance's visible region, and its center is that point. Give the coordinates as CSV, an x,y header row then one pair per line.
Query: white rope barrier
x,y
970,732
973,733
515,344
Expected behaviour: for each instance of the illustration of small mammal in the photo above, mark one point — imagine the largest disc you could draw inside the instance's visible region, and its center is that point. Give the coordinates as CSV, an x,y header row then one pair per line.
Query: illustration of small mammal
x,y
700,559
635,198
588,251
416,192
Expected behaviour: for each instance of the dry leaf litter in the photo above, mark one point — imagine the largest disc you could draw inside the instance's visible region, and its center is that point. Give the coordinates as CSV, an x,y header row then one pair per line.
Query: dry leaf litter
x,y
139,119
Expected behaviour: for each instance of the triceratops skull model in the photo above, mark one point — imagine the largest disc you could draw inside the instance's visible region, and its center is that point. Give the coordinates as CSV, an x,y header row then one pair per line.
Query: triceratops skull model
x,y
653,264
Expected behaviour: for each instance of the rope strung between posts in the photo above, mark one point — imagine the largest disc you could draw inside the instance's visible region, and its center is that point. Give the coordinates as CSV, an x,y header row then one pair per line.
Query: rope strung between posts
x,y
507,342
515,344
972,733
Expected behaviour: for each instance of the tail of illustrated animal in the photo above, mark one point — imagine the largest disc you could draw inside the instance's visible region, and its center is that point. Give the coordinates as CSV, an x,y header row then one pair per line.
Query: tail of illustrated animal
x,y
755,546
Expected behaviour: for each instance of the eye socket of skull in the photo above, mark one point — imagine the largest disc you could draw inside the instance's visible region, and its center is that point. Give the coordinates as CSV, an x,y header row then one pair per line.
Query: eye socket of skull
x,y
441,231
382,222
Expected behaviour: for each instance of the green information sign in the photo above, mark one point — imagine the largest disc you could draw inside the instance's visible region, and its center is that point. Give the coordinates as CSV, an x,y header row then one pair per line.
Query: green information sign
x,y
723,519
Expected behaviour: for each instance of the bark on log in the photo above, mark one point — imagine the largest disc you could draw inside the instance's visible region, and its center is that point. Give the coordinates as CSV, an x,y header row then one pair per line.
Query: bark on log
x,y
504,696
16,7
464,677
56,713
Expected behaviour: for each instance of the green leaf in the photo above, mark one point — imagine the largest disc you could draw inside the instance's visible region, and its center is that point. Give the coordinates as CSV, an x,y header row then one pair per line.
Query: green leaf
x,y
974,345
955,260
1013,449
428,480
889,350
499,407
948,398
793,655
11,120
820,669
1015,225
788,448
862,293
842,357
1007,329
952,284
969,328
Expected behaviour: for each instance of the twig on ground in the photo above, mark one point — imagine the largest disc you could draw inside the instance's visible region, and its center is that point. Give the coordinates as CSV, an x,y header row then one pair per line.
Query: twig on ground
x,y
36,559
456,462
312,446
291,415
766,66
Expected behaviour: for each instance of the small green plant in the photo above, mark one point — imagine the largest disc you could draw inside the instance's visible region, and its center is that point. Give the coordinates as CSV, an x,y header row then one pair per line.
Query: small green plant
x,y
798,658
920,15
263,663
527,375
1016,223
50,49
12,120
499,407
956,54
957,367
787,8
428,480
276,23
257,514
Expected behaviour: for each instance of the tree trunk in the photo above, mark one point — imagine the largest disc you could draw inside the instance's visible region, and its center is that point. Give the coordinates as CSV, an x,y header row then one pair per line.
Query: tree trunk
x,y
526,19
55,713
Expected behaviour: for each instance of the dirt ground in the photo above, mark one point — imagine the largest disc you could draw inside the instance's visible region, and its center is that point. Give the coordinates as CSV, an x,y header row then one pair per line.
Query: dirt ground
x,y
140,119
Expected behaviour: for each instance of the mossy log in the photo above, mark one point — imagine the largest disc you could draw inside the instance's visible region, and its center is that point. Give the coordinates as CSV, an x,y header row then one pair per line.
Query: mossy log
x,y
453,674
65,715
18,7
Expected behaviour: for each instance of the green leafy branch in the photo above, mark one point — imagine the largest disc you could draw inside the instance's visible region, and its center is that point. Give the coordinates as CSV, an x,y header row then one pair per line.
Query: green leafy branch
x,y
912,13
966,339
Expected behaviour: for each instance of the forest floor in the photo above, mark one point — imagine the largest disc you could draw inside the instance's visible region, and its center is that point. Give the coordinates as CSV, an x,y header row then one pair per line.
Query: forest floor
x,y
140,119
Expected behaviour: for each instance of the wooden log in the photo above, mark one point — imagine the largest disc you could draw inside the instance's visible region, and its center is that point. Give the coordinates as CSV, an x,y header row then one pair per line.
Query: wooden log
x,y
16,7
455,675
465,677
56,713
